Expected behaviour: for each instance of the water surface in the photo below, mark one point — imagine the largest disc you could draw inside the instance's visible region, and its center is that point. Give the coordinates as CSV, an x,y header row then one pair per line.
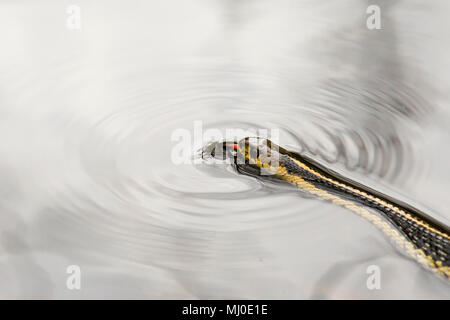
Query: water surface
x,y
87,118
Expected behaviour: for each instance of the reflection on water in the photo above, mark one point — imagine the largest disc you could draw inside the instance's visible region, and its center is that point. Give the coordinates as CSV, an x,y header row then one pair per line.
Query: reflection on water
x,y
87,118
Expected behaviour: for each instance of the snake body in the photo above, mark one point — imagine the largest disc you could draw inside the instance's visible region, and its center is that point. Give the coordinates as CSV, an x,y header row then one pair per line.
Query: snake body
x,y
415,233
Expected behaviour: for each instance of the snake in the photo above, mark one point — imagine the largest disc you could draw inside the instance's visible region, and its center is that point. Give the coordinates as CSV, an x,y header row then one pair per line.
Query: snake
x,y
416,234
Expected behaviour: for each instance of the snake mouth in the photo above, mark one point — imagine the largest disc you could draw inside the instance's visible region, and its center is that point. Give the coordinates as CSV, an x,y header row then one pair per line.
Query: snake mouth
x,y
221,151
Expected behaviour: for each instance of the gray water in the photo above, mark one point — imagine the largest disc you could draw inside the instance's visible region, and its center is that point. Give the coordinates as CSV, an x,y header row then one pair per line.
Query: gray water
x,y
87,118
